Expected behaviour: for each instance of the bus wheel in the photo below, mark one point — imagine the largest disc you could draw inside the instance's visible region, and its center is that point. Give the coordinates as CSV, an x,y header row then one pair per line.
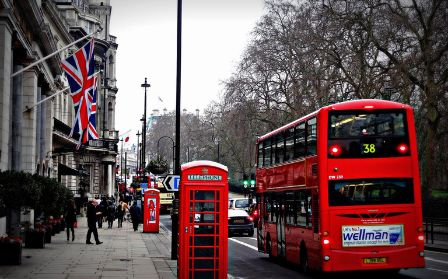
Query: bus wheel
x,y
304,260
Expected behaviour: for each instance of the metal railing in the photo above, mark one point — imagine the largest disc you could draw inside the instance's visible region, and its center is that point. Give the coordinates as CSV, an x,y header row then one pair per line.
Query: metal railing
x,y
436,229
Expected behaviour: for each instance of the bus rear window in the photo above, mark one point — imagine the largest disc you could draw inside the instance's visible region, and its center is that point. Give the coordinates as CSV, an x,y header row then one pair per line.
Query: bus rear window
x,y
371,191
358,134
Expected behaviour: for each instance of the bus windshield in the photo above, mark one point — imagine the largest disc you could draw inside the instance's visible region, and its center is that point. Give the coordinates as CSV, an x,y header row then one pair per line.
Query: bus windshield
x,y
361,134
373,191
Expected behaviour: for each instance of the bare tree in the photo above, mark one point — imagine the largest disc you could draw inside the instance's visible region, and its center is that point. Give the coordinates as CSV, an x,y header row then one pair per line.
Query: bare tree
x,y
412,40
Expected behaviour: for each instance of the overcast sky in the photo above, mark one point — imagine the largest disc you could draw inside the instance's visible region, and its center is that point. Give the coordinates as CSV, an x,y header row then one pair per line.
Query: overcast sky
x,y
214,36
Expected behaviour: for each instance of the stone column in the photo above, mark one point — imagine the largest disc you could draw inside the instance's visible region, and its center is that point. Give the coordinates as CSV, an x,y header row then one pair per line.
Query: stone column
x,y
16,120
110,189
29,122
43,124
38,121
48,112
5,90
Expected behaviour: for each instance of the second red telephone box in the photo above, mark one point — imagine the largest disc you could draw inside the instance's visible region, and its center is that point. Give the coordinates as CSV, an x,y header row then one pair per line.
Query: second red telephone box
x,y
203,221
151,212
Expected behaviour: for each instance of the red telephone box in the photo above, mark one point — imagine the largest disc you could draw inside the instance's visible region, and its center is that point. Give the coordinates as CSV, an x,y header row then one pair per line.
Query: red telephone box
x,y
151,211
203,221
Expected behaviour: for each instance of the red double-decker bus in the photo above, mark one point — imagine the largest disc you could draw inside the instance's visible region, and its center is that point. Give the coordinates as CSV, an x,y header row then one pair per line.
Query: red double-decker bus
x,y
339,189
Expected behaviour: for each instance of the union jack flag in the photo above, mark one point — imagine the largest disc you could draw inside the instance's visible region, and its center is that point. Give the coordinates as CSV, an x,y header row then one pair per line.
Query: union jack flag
x,y
79,70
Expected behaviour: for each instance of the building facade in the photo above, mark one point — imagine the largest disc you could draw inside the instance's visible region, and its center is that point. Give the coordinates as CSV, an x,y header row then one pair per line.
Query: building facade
x,y
35,121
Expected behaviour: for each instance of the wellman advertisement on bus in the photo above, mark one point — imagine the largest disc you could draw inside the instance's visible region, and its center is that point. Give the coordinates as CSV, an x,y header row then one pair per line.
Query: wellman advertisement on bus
x,y
360,236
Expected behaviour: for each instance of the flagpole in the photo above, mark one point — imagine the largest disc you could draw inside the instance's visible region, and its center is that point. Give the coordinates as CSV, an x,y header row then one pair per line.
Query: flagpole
x,y
49,97
44,100
54,53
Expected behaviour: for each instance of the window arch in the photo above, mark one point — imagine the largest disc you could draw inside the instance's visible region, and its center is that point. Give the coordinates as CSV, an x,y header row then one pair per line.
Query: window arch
x,y
111,69
110,114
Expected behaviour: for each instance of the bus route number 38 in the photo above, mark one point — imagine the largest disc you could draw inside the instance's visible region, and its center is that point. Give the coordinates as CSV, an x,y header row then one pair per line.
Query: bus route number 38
x,y
368,148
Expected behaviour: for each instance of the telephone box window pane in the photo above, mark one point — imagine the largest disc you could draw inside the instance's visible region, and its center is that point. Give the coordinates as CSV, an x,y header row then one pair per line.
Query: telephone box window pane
x,y
217,195
199,274
204,195
203,252
203,241
203,263
204,218
204,229
204,206
190,264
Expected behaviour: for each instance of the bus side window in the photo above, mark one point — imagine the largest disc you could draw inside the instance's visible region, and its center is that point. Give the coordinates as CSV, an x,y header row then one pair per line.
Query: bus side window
x,y
290,210
267,153
311,137
309,212
299,146
280,148
289,144
301,210
260,154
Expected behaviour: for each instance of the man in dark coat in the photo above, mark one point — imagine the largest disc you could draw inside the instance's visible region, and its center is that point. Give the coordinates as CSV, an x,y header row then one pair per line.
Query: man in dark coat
x,y
91,222
135,215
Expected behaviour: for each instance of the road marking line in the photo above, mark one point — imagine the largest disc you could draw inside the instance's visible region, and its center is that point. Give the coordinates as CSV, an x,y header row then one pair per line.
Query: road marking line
x,y
244,244
434,260
433,269
252,238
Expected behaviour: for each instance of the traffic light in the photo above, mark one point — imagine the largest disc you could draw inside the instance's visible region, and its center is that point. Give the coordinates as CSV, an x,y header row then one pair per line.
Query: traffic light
x,y
252,180
245,181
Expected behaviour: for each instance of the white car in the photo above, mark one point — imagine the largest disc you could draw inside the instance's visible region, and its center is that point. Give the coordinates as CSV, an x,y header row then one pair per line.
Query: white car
x,y
239,203
240,222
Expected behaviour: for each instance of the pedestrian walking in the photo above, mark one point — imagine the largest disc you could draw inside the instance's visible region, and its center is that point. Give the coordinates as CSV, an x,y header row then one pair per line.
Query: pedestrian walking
x,y
92,216
102,208
110,214
120,214
70,219
135,215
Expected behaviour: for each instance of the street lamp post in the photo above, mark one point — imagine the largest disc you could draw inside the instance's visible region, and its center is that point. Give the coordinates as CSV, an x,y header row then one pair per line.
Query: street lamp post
x,y
175,218
121,161
144,85
158,141
125,168
138,142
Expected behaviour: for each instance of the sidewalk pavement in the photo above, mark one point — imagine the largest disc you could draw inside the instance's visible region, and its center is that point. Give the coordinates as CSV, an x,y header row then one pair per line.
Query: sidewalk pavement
x,y
123,254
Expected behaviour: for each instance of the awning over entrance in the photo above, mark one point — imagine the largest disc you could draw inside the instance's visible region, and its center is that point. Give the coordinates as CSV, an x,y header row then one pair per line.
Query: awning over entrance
x,y
66,170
